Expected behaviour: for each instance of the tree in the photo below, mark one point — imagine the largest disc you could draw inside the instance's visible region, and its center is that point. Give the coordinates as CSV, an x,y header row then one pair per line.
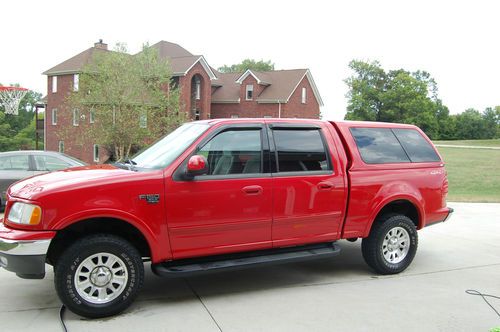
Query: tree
x,y
248,64
129,97
394,96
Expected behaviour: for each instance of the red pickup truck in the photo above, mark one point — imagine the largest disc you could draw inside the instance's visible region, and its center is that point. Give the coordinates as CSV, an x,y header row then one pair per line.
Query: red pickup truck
x,y
225,194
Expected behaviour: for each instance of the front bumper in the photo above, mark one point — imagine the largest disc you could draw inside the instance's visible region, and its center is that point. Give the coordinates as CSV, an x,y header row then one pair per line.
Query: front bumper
x,y
24,252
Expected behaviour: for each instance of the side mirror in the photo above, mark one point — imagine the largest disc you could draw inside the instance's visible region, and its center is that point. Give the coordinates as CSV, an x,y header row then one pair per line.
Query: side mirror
x,y
197,165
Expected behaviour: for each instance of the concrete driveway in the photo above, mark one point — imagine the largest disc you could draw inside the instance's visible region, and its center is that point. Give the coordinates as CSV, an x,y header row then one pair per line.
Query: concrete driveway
x,y
339,294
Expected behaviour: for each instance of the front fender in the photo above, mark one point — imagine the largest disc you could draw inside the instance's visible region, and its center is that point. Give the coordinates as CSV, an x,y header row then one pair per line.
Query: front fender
x,y
159,251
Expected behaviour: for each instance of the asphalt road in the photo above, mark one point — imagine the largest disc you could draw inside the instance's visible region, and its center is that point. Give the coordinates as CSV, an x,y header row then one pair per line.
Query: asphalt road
x,y
339,294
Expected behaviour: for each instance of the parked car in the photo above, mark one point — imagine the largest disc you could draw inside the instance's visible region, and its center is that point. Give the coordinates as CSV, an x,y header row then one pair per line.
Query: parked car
x,y
226,194
17,165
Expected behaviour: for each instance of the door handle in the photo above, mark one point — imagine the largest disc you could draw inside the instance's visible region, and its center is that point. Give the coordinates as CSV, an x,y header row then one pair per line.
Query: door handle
x,y
325,186
252,190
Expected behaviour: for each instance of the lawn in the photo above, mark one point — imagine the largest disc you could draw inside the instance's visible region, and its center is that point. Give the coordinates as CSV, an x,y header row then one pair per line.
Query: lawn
x,y
477,142
473,174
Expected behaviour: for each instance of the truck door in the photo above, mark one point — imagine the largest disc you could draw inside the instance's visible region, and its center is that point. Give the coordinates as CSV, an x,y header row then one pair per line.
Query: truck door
x,y
230,208
309,193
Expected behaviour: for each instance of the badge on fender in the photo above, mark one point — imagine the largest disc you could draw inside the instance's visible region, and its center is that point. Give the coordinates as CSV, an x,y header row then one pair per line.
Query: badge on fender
x,y
150,198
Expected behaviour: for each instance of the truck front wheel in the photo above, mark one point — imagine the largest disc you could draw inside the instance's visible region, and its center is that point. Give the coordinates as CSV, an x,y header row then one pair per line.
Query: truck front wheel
x,y
391,245
99,275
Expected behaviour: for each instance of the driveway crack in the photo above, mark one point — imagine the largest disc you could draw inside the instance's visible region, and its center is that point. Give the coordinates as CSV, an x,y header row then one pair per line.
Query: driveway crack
x,y
202,303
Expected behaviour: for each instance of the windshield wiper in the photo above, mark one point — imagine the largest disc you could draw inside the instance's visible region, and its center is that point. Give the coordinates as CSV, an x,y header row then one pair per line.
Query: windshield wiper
x,y
128,163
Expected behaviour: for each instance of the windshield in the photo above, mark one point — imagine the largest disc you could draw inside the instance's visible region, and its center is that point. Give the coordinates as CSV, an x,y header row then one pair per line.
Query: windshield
x,y
166,150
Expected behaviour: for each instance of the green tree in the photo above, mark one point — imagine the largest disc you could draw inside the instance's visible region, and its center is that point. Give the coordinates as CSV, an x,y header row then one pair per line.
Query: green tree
x,y
470,125
491,118
129,97
248,64
394,96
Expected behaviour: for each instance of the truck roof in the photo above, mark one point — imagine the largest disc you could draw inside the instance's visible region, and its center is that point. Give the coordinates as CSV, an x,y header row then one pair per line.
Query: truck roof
x,y
343,123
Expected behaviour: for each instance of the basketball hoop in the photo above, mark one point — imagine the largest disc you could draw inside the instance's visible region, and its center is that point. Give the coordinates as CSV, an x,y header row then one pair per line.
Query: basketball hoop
x,y
10,97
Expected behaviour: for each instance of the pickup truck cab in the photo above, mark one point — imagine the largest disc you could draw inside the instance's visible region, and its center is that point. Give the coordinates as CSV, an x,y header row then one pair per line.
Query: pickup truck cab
x,y
224,194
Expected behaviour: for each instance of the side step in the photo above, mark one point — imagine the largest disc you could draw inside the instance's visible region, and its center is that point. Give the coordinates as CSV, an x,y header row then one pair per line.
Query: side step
x,y
191,266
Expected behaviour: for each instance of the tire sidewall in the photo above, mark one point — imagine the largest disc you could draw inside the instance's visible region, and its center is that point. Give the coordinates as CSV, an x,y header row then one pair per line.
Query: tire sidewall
x,y
68,267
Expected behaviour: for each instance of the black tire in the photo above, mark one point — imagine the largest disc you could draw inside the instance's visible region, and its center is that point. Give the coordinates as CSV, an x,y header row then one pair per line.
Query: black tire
x,y
374,248
120,282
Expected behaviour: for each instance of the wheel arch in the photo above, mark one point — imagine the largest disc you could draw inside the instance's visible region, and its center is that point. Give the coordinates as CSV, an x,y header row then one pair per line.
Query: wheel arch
x,y
96,225
404,205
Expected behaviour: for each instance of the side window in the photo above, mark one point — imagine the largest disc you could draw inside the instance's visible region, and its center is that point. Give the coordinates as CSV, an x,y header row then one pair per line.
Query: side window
x,y
49,163
379,146
234,152
17,163
417,147
300,150
5,163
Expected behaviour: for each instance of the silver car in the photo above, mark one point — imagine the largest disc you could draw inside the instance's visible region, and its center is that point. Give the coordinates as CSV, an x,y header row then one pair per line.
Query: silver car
x,y
17,165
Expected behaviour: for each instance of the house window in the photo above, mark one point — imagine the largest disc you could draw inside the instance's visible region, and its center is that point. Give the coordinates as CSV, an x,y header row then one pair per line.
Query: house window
x,y
76,81
76,115
234,116
61,146
91,116
249,92
304,95
267,116
198,88
143,120
54,84
96,153
54,116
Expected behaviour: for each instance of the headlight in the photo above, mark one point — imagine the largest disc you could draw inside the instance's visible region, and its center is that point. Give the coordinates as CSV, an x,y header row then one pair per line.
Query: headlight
x,y
25,214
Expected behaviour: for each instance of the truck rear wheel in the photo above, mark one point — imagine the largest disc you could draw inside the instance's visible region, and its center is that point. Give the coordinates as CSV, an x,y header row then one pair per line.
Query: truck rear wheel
x,y
391,245
99,276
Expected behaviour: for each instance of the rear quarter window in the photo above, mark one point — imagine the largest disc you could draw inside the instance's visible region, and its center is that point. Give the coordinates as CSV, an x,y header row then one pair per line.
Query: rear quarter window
x,y
379,146
416,146
393,145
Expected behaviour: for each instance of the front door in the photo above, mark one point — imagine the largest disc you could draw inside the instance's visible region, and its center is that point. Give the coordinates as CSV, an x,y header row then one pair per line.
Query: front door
x,y
309,194
230,208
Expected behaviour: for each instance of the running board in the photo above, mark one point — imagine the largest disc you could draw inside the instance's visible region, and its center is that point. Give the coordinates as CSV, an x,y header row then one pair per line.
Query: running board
x,y
191,266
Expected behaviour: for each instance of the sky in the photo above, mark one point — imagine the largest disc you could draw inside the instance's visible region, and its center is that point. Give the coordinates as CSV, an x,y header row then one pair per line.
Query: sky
x,y
457,42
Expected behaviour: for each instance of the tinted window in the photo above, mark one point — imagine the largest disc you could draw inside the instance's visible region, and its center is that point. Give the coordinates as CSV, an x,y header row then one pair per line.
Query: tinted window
x,y
379,146
15,163
417,147
234,152
300,150
49,163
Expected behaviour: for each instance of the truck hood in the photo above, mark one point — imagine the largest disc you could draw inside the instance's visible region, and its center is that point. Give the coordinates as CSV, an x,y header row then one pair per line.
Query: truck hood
x,y
68,179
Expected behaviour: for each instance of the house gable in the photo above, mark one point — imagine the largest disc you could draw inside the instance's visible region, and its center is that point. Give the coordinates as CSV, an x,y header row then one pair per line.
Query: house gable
x,y
313,87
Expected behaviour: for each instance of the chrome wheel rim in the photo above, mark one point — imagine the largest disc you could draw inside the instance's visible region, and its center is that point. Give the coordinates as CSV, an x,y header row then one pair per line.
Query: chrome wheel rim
x,y
101,278
396,245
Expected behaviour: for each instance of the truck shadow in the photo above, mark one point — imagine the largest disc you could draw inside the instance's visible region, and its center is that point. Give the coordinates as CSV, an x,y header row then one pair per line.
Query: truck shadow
x,y
346,267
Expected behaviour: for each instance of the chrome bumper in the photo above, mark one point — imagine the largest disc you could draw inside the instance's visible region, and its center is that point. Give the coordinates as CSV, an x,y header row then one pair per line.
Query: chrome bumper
x,y
26,258
24,247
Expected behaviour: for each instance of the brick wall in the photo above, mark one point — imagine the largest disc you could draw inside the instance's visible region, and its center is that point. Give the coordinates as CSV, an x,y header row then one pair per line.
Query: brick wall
x,y
206,91
74,144
252,109
295,109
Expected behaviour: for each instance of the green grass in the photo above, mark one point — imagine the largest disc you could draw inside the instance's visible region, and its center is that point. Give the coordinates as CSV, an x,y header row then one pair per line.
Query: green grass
x,y
473,174
476,142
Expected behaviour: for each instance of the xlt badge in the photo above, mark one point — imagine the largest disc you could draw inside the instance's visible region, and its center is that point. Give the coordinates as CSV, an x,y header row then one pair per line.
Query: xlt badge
x,y
150,198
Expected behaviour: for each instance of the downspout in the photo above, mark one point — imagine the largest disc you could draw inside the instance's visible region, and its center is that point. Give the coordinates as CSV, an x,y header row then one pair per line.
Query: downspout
x,y
279,109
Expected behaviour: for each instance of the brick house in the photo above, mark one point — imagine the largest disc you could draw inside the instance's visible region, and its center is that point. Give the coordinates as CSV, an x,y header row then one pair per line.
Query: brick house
x,y
205,93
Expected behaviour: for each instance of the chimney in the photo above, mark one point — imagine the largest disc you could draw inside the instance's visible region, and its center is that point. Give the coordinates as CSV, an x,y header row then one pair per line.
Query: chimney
x,y
100,45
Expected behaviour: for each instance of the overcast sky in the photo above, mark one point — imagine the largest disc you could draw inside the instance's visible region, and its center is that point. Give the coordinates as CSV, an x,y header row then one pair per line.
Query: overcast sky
x,y
457,42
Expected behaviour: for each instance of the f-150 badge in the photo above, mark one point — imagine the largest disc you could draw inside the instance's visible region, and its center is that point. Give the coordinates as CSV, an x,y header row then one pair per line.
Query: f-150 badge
x,y
150,198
